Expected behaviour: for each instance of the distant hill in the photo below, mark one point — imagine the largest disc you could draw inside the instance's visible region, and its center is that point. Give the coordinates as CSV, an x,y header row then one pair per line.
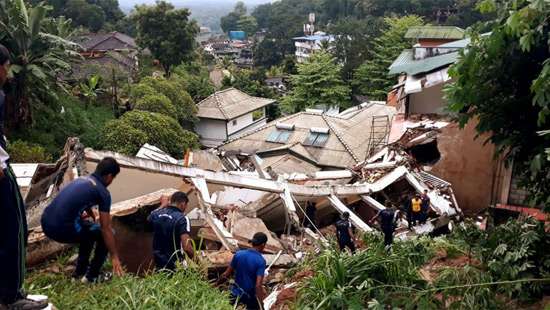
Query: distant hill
x,y
206,12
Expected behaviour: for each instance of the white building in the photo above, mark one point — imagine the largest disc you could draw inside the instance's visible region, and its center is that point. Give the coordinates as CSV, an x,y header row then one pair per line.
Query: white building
x,y
307,45
229,113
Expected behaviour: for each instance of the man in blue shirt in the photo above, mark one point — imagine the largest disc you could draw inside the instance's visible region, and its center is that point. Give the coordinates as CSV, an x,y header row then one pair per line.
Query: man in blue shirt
x,y
64,220
388,222
171,232
249,267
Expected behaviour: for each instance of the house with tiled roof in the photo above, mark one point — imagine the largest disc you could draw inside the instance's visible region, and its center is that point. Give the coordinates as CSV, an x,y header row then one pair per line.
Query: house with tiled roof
x,y
313,140
104,53
229,113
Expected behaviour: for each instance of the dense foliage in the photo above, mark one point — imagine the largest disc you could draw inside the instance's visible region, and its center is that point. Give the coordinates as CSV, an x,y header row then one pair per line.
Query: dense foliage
x,y
180,105
317,83
127,134
24,152
196,78
371,78
186,289
512,111
168,32
510,266
91,14
37,58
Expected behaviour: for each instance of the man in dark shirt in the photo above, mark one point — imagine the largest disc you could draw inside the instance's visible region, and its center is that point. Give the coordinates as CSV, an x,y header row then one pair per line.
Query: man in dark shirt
x,y
311,210
344,233
13,223
388,219
171,232
425,206
249,266
64,221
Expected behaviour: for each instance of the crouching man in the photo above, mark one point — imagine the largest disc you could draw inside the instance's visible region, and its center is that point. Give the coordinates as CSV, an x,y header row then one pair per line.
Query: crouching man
x,y
171,229
249,267
69,219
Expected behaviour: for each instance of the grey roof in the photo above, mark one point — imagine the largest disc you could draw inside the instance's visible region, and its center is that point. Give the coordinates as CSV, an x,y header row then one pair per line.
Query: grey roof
x,y
346,145
230,103
105,41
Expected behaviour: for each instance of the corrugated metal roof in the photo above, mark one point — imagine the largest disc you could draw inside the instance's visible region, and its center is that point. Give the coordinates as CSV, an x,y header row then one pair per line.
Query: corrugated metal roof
x,y
230,103
405,63
434,32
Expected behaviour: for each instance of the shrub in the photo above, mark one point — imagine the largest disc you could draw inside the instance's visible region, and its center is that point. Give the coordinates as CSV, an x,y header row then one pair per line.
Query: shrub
x,y
156,103
186,110
120,137
158,129
24,152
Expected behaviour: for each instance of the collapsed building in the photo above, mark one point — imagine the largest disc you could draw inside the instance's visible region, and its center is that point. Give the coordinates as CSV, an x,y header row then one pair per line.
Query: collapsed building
x,y
227,207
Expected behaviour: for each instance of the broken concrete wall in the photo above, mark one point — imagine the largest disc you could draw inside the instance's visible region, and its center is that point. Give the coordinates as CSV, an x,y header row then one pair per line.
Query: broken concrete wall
x,y
467,164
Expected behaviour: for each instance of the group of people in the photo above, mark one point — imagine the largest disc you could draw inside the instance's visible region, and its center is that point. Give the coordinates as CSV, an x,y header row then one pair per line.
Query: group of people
x,y
80,214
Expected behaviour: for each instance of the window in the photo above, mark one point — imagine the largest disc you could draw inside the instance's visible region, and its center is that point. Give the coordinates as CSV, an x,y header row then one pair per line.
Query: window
x,y
279,136
317,137
258,114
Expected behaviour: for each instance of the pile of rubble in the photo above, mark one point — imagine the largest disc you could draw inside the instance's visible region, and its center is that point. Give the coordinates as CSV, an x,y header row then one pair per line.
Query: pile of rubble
x,y
228,206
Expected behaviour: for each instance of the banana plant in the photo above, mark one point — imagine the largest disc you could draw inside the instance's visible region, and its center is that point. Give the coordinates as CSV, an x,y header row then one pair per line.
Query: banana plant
x,y
91,89
38,58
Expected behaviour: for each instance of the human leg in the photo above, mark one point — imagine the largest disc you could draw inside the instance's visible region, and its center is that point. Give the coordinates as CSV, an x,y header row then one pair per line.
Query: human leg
x,y
93,233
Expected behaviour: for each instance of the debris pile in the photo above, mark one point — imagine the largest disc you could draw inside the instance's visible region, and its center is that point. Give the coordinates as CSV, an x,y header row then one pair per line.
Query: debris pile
x,y
227,207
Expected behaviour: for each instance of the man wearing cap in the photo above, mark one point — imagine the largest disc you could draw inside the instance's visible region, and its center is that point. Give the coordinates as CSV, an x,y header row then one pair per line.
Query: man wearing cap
x,y
249,267
344,233
171,229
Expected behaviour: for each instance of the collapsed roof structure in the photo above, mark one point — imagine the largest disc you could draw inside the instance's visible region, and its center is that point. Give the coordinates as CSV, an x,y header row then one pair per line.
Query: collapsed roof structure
x,y
227,207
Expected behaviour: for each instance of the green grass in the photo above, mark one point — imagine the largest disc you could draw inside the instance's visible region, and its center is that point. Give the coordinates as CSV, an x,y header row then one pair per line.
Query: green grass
x,y
186,289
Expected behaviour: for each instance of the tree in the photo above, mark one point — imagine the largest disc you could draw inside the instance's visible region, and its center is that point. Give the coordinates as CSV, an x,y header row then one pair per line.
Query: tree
x,y
38,58
167,32
136,128
318,82
502,81
157,103
197,80
371,78
85,14
231,21
90,89
354,40
247,24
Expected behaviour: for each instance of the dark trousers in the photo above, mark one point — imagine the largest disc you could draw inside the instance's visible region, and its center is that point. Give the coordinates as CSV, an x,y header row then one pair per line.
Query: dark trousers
x,y
250,302
13,239
388,236
414,218
88,237
343,243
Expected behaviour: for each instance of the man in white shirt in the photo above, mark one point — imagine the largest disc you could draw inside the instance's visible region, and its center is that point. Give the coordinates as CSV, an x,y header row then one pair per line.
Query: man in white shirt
x,y
13,222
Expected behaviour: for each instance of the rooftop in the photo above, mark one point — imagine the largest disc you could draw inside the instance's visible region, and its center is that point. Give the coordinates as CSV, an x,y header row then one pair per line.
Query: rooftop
x,y
230,103
435,32
346,144
98,41
405,63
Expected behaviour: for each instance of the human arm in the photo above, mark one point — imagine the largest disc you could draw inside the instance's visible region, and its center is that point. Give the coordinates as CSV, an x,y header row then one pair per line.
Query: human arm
x,y
187,245
260,291
227,273
109,239
3,160
375,217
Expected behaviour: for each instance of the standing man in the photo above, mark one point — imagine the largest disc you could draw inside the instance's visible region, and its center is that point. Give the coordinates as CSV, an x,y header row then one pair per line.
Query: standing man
x,y
249,266
388,222
425,206
13,221
64,220
311,210
344,233
416,210
171,230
